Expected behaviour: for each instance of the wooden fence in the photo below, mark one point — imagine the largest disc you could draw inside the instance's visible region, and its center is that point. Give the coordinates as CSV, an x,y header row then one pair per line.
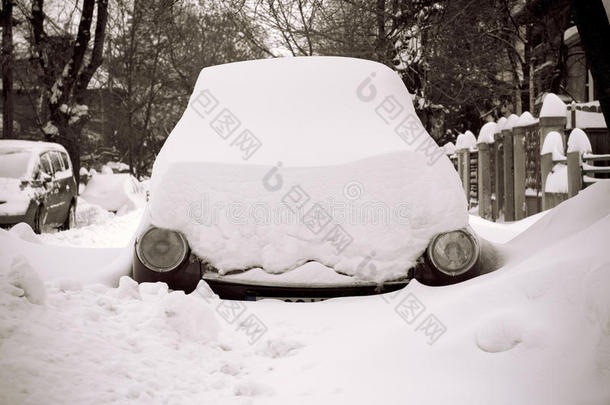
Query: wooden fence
x,y
523,165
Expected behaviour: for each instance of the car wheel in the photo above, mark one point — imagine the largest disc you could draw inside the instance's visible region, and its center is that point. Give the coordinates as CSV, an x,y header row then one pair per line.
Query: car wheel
x,y
70,221
37,224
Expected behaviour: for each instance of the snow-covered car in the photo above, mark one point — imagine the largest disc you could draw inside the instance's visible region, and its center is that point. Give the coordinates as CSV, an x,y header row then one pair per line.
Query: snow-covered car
x,y
37,185
303,178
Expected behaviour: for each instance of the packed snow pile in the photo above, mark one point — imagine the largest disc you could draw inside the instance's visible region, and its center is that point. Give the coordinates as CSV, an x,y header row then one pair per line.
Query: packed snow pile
x,y
120,193
536,331
97,228
271,187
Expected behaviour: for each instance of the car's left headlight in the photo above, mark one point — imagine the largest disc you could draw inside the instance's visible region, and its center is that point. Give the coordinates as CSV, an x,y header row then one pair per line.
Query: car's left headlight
x,y
454,253
162,250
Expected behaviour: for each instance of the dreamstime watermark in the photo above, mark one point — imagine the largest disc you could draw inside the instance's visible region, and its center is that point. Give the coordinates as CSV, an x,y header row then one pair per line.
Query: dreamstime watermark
x,y
226,124
234,313
407,126
207,211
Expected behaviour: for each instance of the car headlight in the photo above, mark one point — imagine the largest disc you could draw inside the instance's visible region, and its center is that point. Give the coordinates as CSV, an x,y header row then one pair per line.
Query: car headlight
x,y
454,253
162,250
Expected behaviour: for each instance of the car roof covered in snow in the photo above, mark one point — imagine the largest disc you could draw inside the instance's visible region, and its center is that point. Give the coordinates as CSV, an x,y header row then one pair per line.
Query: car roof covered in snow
x,y
34,146
303,111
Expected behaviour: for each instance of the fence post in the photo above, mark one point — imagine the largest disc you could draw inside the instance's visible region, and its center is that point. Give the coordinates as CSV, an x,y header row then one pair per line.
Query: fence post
x,y
463,156
553,117
578,144
485,143
519,129
509,184
551,152
498,150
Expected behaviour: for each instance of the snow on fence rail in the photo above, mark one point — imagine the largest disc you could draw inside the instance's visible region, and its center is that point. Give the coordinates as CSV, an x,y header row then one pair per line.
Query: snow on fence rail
x,y
522,165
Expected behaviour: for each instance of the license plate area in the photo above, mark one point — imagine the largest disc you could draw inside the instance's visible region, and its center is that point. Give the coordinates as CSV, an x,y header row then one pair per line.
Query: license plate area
x,y
287,299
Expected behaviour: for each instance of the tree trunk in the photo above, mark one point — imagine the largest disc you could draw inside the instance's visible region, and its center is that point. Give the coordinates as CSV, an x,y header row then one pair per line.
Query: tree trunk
x,y
594,30
7,69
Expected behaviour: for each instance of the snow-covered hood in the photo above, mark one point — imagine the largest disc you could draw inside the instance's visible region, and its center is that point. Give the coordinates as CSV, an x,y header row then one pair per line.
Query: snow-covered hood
x,y
279,162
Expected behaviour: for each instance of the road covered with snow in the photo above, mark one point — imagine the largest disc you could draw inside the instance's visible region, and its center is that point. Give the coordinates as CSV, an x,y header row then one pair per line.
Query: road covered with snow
x,y
74,328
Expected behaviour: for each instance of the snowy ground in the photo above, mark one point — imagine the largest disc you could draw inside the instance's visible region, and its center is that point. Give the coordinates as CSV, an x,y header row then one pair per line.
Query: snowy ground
x,y
536,331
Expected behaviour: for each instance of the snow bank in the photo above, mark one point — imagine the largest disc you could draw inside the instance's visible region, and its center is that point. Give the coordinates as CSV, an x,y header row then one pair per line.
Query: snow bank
x,y
525,120
88,265
553,143
344,134
552,106
104,230
535,331
578,141
557,180
486,134
121,193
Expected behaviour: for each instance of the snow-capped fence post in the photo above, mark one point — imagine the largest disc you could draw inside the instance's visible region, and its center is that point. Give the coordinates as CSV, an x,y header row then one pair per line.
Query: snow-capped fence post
x,y
519,151
485,143
509,165
553,161
464,144
578,144
498,150
552,119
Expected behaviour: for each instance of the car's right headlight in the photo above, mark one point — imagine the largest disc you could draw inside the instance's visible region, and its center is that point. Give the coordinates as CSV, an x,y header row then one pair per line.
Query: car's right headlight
x,y
454,253
162,250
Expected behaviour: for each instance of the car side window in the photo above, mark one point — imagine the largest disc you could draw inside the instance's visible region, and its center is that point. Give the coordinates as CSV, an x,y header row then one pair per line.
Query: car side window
x,y
45,164
56,161
65,159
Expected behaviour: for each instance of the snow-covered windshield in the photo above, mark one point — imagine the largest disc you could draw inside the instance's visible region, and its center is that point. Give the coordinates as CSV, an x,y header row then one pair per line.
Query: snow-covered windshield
x,y
14,163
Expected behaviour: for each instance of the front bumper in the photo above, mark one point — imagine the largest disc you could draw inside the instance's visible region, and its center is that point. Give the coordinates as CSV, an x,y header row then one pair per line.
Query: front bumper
x,y
187,276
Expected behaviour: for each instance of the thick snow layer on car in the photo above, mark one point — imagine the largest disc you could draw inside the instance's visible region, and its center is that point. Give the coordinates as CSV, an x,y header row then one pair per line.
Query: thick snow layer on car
x,y
338,111
535,331
330,148
235,218
114,192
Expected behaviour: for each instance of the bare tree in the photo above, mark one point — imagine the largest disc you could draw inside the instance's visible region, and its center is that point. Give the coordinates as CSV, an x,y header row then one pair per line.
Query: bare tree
x,y
66,88
7,68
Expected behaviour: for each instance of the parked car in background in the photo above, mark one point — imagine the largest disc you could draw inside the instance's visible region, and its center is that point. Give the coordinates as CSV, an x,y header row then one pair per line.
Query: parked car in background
x,y
37,185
